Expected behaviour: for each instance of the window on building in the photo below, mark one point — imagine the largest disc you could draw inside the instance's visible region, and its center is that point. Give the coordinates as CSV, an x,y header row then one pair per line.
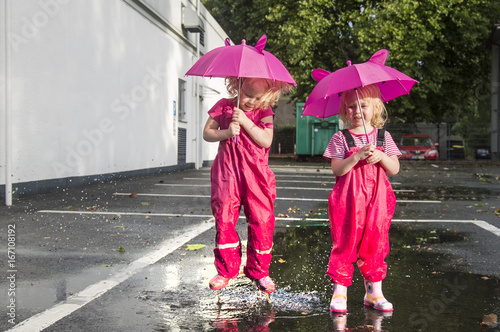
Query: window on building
x,y
182,101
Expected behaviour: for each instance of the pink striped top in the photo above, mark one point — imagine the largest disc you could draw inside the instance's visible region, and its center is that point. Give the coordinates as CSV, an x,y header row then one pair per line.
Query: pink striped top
x,y
338,148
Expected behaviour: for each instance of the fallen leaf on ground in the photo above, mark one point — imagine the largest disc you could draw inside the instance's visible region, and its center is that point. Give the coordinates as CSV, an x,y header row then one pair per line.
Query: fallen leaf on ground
x,y
490,320
194,246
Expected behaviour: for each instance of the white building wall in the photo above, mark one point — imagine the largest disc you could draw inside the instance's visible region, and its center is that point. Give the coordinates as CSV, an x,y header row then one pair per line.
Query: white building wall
x,y
93,87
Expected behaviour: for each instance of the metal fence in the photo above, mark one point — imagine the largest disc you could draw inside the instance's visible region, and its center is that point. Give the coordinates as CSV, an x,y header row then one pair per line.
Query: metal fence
x,y
456,141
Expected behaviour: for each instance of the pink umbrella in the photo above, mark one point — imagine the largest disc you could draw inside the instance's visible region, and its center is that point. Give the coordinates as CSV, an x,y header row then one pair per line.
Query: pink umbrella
x,y
324,100
241,61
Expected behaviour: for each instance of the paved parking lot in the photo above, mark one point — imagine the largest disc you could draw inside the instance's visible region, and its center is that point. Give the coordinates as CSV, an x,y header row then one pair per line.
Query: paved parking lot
x,y
136,254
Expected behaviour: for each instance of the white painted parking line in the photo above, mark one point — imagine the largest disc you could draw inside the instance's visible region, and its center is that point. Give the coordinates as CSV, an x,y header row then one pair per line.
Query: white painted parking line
x,y
325,167
124,213
208,185
480,223
294,181
284,188
301,199
277,198
487,226
304,188
319,176
162,195
181,185
50,316
305,181
417,201
208,196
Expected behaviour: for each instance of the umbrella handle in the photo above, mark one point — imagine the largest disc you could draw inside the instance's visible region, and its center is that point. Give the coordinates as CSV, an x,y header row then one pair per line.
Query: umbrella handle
x,y
239,91
362,116
235,139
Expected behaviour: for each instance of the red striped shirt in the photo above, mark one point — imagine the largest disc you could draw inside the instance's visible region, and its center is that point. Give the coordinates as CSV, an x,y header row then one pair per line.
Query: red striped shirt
x,y
338,148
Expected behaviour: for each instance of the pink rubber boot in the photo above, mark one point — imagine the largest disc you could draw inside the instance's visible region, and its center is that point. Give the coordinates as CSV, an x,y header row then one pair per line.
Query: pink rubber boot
x,y
375,298
339,299
218,282
266,284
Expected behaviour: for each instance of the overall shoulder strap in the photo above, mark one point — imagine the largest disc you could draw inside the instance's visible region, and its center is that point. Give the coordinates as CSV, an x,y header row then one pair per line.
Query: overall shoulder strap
x,y
349,138
381,137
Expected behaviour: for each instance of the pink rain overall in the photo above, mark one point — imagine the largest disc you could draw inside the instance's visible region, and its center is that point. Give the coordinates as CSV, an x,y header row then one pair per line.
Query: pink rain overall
x,y
360,209
241,176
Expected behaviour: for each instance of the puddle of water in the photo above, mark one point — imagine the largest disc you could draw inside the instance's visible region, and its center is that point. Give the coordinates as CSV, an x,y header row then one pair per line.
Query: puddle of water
x,y
425,296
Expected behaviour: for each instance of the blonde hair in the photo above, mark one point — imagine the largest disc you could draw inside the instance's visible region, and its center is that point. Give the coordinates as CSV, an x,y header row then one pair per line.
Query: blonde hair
x,y
371,93
273,88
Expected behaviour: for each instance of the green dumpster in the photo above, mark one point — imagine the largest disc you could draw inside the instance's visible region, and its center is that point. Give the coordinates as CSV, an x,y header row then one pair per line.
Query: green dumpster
x,y
313,134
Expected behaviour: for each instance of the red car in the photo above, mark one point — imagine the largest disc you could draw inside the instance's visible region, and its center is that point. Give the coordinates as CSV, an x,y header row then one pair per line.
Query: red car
x,y
418,147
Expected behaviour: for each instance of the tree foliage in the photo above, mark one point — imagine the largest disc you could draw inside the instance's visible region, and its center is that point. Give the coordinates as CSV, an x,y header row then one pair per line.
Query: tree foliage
x,y
442,44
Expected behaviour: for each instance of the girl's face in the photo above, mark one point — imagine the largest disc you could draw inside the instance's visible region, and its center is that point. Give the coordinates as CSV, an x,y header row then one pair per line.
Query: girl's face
x,y
354,113
251,96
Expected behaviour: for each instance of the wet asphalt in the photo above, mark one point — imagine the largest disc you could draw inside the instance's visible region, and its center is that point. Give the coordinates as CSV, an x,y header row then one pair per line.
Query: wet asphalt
x,y
136,255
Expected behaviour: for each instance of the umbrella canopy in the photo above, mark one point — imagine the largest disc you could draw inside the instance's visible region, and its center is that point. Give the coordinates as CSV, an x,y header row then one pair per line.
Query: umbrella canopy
x,y
324,100
241,61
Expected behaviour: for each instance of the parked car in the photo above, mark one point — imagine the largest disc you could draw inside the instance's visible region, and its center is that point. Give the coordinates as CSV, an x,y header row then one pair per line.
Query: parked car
x,y
483,153
418,147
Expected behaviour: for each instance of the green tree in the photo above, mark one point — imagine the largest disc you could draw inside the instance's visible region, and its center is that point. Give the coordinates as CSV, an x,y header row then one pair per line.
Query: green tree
x,y
442,44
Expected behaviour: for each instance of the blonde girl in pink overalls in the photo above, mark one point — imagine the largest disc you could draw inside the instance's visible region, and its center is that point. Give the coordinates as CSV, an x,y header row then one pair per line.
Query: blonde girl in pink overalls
x,y
362,202
241,176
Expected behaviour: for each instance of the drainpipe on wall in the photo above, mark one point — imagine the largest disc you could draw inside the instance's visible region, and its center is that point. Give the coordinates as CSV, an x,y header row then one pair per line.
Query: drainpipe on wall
x,y
8,110
199,138
193,23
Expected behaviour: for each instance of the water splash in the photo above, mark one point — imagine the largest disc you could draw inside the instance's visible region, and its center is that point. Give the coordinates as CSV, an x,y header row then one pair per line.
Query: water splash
x,y
241,302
